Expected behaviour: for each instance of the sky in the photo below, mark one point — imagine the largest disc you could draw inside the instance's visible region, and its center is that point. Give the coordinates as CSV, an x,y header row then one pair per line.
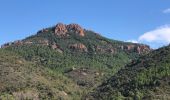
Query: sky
x,y
140,21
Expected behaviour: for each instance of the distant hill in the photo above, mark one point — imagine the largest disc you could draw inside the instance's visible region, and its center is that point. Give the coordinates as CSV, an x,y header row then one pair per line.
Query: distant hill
x,y
63,62
145,78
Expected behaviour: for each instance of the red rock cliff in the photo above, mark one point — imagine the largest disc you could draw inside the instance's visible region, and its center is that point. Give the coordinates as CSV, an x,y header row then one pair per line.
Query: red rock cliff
x,y
137,48
62,29
76,28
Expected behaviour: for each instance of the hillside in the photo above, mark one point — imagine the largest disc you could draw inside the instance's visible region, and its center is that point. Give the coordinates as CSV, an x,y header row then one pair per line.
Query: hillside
x,y
74,45
63,60
24,80
146,78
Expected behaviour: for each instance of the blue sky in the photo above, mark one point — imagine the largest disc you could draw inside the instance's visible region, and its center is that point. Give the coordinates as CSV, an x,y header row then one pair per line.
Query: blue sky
x,y
144,21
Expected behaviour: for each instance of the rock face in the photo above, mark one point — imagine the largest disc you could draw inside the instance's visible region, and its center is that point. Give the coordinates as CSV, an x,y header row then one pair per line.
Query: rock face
x,y
62,29
143,49
129,47
136,48
79,47
76,28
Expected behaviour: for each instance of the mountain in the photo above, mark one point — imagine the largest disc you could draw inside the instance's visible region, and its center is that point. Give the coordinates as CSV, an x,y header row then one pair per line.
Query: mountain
x,y
146,78
62,62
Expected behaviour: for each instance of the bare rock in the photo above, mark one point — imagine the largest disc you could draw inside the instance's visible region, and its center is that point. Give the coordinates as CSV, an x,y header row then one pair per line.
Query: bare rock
x,y
64,93
56,47
79,47
60,29
83,73
43,31
129,47
18,42
99,49
76,28
109,49
28,42
142,49
63,30
136,48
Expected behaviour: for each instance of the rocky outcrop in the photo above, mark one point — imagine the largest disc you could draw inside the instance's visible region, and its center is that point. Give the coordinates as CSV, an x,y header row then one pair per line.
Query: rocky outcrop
x,y
63,30
43,42
142,49
6,45
56,47
16,43
109,49
60,29
136,48
99,49
129,47
28,42
43,31
76,28
79,47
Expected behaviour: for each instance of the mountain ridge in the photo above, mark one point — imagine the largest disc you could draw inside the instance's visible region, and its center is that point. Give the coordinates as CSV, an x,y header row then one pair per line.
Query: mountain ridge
x,y
63,31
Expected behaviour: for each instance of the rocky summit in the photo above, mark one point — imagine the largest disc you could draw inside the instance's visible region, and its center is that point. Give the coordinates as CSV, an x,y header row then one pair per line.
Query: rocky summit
x,y
62,29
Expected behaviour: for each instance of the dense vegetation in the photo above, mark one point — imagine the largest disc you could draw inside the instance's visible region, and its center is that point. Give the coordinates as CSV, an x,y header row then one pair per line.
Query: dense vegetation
x,y
146,78
69,58
21,79
43,66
